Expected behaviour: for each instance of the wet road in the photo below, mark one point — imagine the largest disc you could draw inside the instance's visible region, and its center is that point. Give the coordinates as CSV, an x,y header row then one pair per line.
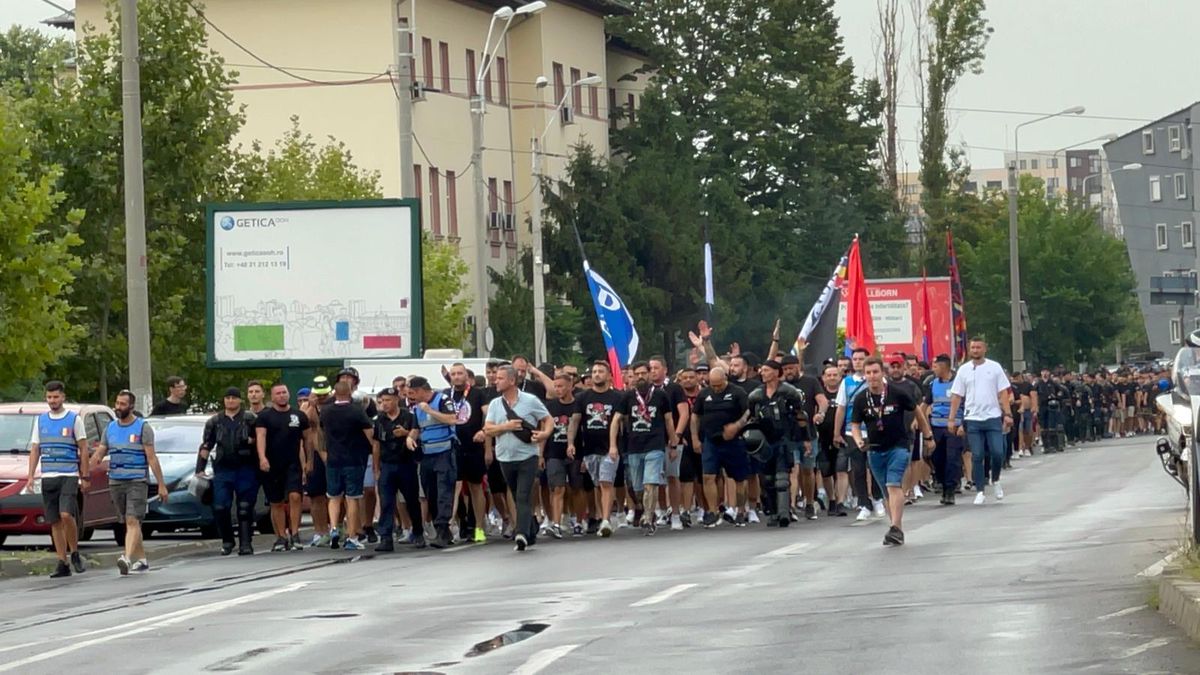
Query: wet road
x,y
1045,581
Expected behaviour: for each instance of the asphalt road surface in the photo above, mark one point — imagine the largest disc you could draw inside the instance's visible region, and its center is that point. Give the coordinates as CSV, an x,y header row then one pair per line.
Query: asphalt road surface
x,y
1044,582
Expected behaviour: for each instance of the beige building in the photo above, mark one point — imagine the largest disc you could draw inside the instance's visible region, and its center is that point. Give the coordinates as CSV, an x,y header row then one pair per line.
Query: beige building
x,y
339,56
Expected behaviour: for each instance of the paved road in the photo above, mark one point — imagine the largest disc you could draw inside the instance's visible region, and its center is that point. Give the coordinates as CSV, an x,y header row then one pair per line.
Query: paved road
x,y
1043,582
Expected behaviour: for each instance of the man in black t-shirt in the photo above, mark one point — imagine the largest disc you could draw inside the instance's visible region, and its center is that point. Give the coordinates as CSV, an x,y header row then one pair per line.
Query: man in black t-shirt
x,y
280,432
834,462
816,405
718,416
877,425
173,404
597,406
396,468
649,425
349,435
560,451
470,405
673,499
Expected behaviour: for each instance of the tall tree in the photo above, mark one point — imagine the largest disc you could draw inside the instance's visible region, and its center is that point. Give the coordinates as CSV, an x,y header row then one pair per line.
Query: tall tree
x,y
29,59
889,46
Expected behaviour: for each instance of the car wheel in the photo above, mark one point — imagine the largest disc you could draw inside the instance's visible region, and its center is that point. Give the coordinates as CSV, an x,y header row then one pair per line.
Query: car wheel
x,y
86,533
2,538
119,534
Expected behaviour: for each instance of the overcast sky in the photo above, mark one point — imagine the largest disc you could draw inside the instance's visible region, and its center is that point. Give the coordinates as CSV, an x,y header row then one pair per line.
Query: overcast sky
x,y
1126,61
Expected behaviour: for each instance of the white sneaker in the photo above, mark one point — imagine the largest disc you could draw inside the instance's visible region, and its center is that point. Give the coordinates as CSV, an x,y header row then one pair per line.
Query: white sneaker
x,y
676,524
454,532
664,519
864,514
605,529
752,516
979,498
999,491
917,494
879,511
629,519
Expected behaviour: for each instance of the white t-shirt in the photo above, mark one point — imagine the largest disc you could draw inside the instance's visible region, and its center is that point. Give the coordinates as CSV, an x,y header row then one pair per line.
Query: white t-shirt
x,y
980,385
80,434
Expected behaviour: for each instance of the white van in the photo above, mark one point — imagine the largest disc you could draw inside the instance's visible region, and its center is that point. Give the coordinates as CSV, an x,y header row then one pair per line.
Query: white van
x,y
377,374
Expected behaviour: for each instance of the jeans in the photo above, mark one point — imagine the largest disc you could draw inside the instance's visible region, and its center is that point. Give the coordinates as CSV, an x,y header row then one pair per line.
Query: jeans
x,y
520,477
858,475
439,472
226,483
395,476
947,457
986,439
775,474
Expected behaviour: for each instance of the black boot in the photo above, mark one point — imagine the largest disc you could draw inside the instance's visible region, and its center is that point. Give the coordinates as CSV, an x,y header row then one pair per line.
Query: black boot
x,y
224,529
246,537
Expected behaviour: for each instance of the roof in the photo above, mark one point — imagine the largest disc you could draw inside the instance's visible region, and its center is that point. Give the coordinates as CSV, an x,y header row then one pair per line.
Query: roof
x,y
606,7
66,20
618,42
1152,123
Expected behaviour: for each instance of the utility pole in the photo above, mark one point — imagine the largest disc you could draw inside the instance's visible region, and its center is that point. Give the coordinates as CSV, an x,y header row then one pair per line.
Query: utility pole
x,y
404,101
137,296
481,225
1014,272
540,350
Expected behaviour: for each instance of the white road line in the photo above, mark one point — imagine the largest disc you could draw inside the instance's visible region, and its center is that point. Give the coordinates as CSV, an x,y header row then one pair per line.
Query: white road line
x,y
1157,568
787,550
538,662
1122,612
664,595
1144,647
152,623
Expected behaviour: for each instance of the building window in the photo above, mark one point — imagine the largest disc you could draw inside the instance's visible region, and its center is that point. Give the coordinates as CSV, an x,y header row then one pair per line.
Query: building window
x,y
911,189
435,203
444,62
1176,332
630,102
1094,163
1033,164
417,188
472,90
593,99
1148,142
576,92
1155,189
1174,138
493,208
1187,234
1052,163
1076,184
1051,185
1021,164
995,185
452,204
1074,162
1180,186
612,105
510,236
487,86
427,61
1160,236
559,88
502,79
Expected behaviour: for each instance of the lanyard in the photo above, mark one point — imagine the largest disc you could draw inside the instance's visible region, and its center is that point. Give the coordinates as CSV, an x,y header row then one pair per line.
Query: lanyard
x,y
877,410
643,410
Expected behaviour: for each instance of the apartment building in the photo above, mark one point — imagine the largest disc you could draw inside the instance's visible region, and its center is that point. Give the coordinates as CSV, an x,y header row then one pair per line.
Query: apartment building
x,y
340,55
1156,207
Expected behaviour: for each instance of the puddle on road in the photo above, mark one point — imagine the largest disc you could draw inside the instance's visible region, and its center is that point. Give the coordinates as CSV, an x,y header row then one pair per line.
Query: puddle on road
x,y
523,632
334,615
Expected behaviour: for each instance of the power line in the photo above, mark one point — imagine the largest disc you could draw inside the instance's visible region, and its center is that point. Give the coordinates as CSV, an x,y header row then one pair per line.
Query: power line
x,y
995,111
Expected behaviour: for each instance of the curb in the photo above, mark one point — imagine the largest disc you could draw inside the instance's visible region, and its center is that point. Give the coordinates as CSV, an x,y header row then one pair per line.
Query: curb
x,y
1179,601
13,568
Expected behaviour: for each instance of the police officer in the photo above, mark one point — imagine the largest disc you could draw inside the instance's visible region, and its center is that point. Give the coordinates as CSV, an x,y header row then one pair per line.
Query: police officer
x,y
778,408
229,437
1052,397
948,447
397,467
436,419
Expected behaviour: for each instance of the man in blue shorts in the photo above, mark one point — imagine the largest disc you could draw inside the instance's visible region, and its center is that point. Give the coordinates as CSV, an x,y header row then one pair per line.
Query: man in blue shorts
x,y
718,416
646,417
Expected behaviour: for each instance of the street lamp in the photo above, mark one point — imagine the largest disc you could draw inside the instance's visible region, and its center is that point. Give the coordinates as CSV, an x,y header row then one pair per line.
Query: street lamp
x,y
1014,263
539,268
1135,166
478,110
1106,138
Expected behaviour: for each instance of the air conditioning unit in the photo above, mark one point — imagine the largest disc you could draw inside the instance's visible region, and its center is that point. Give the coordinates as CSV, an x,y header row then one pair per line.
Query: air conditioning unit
x,y
510,222
418,91
567,115
494,220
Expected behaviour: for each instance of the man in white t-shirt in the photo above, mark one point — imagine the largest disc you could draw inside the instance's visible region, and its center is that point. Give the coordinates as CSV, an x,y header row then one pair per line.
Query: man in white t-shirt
x,y
984,387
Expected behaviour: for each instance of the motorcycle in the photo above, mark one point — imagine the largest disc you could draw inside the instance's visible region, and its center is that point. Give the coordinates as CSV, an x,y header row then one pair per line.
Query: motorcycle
x,y
1181,407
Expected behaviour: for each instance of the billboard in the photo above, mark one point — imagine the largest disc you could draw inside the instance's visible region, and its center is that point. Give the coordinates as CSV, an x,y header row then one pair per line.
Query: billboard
x,y
896,310
313,283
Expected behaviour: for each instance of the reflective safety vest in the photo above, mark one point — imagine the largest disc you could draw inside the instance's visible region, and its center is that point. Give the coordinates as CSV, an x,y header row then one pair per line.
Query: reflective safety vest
x,y
436,437
126,452
940,414
58,445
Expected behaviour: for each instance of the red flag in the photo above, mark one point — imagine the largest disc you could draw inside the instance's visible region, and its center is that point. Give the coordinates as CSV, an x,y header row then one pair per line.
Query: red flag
x,y
957,313
926,321
860,328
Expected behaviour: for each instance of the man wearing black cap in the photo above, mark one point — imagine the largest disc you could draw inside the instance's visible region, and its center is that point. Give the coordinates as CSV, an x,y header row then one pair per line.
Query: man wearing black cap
x,y
396,466
778,408
349,374
229,436
816,405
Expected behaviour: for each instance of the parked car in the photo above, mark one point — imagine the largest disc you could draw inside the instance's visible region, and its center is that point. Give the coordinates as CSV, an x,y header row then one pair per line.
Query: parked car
x,y
176,440
22,514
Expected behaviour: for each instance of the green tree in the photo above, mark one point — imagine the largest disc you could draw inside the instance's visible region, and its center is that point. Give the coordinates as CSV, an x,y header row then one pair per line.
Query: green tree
x,y
511,311
443,274
297,169
37,265
28,59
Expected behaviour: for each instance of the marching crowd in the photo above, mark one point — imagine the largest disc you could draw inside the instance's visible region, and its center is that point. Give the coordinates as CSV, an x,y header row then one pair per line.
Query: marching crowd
x,y
524,452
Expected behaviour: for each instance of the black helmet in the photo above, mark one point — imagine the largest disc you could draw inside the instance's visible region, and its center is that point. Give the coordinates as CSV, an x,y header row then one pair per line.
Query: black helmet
x,y
351,371
756,441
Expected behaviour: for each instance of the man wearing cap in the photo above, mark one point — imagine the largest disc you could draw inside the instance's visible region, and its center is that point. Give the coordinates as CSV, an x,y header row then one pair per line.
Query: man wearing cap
x,y
315,479
397,467
362,398
229,437
436,422
804,443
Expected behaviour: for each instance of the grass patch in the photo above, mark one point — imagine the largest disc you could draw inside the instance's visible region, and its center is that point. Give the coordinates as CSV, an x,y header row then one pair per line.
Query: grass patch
x,y
26,556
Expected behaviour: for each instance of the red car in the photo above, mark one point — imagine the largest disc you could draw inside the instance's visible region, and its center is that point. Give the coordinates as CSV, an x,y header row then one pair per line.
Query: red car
x,y
22,514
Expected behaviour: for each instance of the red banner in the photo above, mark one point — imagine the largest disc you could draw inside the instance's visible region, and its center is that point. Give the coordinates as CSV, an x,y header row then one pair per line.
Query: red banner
x,y
896,310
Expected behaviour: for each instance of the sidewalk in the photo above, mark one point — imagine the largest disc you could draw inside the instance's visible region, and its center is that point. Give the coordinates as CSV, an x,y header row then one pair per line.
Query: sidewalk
x,y
15,564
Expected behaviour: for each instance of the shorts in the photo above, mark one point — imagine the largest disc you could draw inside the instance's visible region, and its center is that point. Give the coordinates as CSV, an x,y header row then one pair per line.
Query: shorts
x,y
129,497
645,468
345,481
672,466
556,472
316,484
689,465
60,494
798,458
888,466
495,478
727,455
916,445
369,475
600,468
472,466
1027,422
279,482
576,476
832,459
1130,412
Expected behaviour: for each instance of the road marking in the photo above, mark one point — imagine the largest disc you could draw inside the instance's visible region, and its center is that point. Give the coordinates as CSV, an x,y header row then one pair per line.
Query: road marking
x,y
787,550
1144,647
1122,612
1157,568
149,624
664,595
538,662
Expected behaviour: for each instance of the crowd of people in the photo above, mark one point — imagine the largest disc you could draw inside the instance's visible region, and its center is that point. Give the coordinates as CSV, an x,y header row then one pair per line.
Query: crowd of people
x,y
522,452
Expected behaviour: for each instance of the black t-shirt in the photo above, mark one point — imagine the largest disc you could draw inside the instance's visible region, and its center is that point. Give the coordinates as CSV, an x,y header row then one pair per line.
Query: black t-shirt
x,y
468,404
645,420
392,448
535,387
556,447
826,428
882,416
1150,390
167,407
718,409
345,443
691,404
914,389
747,385
597,409
810,387
284,429
674,394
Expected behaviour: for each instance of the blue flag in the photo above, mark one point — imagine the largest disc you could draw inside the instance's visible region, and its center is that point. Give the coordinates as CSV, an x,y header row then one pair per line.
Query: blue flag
x,y
620,335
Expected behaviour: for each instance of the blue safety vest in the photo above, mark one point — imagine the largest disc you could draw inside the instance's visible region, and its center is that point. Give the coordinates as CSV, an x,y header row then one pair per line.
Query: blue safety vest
x,y
940,415
58,445
435,436
126,452
852,387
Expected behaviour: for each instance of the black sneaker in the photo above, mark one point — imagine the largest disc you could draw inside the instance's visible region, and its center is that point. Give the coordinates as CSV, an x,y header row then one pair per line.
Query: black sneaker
x,y
335,541
686,519
593,526
61,570
226,548
520,545
710,520
950,499
280,545
651,526
442,540
741,521
894,537
785,521
821,503
77,563
372,535
810,512
418,542
386,546
728,517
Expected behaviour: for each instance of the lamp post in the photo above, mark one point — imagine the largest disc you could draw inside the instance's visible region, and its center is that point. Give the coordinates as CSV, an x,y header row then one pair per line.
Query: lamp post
x,y
478,110
1014,264
1128,167
540,350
